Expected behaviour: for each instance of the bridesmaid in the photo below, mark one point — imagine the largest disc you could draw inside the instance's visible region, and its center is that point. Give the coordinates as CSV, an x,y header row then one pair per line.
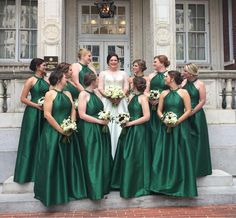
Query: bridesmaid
x,y
70,85
139,66
157,82
197,92
131,171
114,77
32,122
95,145
79,69
172,171
59,173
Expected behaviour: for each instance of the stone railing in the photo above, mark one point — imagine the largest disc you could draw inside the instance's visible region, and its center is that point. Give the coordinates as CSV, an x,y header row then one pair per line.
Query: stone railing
x,y
220,86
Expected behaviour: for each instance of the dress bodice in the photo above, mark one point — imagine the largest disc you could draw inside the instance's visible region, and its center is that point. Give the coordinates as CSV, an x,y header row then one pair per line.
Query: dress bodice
x,y
174,103
39,89
61,108
116,79
135,108
94,105
73,90
85,69
157,82
193,92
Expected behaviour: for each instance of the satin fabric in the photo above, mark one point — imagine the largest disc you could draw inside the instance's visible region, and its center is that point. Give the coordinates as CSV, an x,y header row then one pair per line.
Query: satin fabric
x,y
59,173
85,69
31,128
73,90
173,169
199,127
96,151
131,172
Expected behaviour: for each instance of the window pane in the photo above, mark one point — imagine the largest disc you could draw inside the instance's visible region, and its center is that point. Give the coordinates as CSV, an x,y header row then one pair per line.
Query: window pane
x,y
85,10
192,53
192,11
201,11
7,14
7,44
121,10
201,40
201,24
179,17
94,10
180,46
201,54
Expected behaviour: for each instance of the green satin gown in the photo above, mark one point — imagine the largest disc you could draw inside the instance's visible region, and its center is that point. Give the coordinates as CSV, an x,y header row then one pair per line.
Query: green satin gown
x,y
31,129
199,127
73,90
156,83
85,69
59,174
173,169
96,151
132,163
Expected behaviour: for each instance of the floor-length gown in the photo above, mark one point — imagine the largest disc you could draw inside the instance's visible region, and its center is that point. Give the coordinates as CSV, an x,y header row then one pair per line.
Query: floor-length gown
x,y
73,90
96,151
132,164
173,169
116,79
31,129
199,127
156,83
59,173
85,69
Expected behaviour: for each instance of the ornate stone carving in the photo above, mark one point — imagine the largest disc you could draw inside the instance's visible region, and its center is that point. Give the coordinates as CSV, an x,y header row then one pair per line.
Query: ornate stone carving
x,y
51,33
163,36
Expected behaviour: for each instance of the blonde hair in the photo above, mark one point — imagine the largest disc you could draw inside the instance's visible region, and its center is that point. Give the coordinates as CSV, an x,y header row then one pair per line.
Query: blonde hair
x,y
192,69
82,52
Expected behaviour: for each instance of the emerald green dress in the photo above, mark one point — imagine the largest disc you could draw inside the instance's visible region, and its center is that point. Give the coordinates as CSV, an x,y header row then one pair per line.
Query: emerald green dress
x,y
59,174
132,163
96,151
199,127
85,69
156,83
73,90
31,128
173,169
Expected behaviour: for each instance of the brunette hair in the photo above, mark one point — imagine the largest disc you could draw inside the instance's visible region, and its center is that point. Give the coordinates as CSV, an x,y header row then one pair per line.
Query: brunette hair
x,y
35,62
63,66
89,78
55,76
139,84
163,59
141,63
112,55
176,75
82,52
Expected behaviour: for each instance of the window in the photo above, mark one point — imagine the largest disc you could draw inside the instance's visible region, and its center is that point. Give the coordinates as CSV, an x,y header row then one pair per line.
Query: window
x,y
191,32
18,29
91,22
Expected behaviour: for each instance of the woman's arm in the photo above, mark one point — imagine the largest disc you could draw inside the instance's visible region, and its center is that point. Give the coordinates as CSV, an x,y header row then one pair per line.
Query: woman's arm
x,y
83,100
126,83
101,84
76,68
202,97
73,112
161,102
25,92
48,103
146,112
147,90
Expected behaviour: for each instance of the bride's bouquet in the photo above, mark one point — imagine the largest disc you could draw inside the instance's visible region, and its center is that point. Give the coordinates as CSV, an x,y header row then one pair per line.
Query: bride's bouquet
x,y
170,118
41,101
114,93
105,115
68,127
76,104
154,95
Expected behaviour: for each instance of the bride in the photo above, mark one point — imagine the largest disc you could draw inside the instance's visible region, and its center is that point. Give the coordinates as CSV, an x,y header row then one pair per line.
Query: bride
x,y
113,77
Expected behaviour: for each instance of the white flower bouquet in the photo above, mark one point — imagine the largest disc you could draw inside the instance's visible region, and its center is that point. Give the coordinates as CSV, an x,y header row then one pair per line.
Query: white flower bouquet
x,y
114,93
76,104
41,101
153,96
105,115
68,127
122,119
170,118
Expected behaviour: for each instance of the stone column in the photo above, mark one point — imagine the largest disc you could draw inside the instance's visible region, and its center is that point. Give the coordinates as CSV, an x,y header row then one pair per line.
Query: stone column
x,y
163,33
50,28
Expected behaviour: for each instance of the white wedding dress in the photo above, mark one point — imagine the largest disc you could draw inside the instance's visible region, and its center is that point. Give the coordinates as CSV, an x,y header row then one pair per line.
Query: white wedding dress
x,y
116,79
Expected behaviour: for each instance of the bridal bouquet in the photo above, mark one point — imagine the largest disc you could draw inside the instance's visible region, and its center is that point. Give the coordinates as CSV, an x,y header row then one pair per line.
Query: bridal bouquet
x,y
170,118
114,93
76,104
105,115
154,95
68,127
41,101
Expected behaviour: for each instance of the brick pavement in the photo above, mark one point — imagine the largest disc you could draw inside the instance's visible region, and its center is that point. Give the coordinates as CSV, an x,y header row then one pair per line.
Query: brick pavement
x,y
171,212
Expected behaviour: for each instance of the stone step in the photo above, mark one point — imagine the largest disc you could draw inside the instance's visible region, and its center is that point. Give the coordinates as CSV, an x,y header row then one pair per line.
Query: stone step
x,y
217,179
207,196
